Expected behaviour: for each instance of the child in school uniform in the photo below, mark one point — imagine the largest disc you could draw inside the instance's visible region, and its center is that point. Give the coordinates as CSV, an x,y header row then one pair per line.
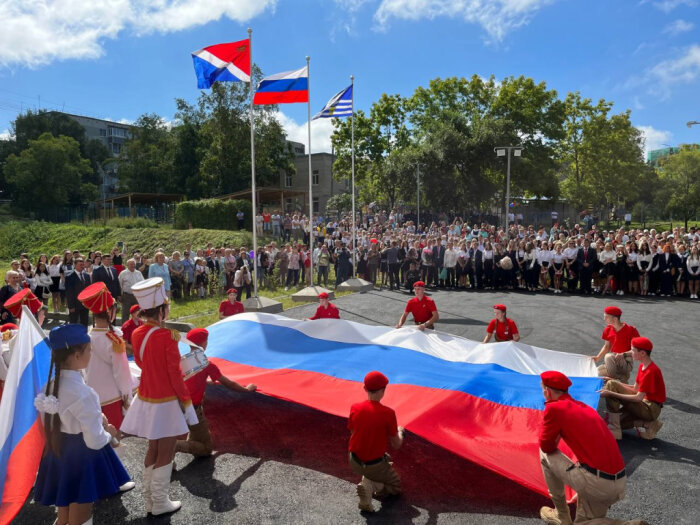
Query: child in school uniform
x,y
79,466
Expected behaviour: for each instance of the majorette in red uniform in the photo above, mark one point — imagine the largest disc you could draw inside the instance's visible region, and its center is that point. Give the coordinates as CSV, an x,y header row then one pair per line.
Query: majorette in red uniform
x,y
162,408
108,373
326,309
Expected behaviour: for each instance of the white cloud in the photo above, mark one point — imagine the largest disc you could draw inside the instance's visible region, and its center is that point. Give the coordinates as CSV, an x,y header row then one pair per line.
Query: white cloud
x,y
321,131
654,138
677,27
6,135
41,31
497,17
669,73
669,5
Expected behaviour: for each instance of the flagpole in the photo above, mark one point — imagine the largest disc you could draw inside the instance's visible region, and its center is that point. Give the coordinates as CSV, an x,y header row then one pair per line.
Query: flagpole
x,y
252,168
311,200
352,139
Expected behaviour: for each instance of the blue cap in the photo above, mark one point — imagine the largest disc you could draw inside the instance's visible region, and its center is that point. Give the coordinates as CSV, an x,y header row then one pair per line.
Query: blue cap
x,y
68,335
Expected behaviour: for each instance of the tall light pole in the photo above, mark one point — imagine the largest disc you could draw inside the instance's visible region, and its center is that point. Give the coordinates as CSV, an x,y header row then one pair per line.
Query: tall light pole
x,y
692,123
504,151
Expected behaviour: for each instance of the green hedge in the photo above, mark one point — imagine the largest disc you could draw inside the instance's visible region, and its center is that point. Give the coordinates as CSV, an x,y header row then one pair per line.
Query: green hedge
x,y
214,214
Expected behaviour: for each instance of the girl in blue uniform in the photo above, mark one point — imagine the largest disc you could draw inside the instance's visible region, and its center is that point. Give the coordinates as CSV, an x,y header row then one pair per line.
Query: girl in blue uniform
x,y
79,466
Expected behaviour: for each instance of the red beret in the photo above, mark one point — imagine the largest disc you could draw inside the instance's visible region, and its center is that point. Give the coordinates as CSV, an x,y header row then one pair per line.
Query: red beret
x,y
501,307
135,308
8,326
642,343
375,381
323,295
24,296
555,380
198,336
419,284
231,290
96,298
613,310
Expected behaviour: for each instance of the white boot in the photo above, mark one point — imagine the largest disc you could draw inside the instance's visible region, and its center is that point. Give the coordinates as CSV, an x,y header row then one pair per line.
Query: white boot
x,y
159,491
147,478
126,487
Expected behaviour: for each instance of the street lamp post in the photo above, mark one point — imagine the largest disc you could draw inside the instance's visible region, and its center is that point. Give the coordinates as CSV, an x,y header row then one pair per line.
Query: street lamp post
x,y
692,123
504,151
417,196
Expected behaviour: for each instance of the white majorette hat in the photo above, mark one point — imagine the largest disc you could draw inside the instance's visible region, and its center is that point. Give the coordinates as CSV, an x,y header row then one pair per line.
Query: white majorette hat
x,y
150,293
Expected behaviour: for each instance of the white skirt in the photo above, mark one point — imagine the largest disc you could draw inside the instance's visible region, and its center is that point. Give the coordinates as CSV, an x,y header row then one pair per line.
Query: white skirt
x,y
157,420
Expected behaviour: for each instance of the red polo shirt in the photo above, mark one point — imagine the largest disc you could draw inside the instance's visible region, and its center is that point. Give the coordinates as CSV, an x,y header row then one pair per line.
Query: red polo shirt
x,y
504,331
371,424
584,431
422,309
651,382
197,384
326,313
228,309
620,341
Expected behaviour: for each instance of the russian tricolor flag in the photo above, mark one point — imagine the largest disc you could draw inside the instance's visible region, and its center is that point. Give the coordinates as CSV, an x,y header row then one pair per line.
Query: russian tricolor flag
x,y
284,88
483,402
228,62
21,433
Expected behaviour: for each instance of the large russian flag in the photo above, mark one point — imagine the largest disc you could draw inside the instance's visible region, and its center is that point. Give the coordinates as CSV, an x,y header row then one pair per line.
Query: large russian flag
x,y
21,434
481,401
284,88
228,62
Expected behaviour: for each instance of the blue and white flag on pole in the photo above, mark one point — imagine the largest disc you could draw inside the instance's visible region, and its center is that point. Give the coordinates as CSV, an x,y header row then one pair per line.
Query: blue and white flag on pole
x,y
340,105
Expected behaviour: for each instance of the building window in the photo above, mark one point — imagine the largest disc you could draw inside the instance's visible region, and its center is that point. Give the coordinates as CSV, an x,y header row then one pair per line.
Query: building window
x,y
315,178
316,208
288,180
116,148
103,132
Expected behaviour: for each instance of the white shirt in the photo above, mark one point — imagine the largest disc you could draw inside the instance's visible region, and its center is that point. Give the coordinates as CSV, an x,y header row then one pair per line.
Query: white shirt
x,y
127,279
108,372
450,259
79,410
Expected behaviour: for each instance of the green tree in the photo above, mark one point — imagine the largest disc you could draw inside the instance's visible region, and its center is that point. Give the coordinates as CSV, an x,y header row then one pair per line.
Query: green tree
x,y
679,176
49,173
340,203
146,160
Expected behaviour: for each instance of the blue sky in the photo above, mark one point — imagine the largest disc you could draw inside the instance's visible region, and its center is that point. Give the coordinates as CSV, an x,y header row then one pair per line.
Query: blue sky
x,y
121,58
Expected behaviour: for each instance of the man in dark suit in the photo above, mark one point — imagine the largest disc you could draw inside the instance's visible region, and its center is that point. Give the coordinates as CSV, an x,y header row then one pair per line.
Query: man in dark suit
x,y
106,273
76,282
477,258
586,259
439,262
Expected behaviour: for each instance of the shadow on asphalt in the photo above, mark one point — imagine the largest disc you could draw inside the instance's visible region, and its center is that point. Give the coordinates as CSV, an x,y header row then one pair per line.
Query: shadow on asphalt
x,y
268,429
636,450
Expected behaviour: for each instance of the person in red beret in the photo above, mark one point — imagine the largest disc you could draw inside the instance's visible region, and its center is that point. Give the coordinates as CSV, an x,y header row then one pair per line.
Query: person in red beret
x,y
199,442
598,476
637,406
372,425
502,325
422,307
616,353
130,325
108,373
230,306
326,309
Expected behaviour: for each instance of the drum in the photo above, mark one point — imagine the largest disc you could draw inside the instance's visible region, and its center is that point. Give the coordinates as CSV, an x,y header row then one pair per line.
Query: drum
x,y
506,263
193,362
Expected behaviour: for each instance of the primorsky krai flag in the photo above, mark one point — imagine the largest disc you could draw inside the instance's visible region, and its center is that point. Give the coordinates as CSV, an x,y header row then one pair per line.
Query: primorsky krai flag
x,y
222,63
340,105
284,88
21,434
481,401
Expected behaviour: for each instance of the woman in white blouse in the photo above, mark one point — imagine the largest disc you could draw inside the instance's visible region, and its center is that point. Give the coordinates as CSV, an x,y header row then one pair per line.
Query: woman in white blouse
x,y
607,259
644,260
693,266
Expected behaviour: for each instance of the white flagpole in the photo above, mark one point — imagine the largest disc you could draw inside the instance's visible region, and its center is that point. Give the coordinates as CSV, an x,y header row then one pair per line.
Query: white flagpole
x,y
311,199
354,220
252,168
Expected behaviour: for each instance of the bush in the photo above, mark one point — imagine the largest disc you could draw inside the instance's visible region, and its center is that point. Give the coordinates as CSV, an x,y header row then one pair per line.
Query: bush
x,y
215,214
131,222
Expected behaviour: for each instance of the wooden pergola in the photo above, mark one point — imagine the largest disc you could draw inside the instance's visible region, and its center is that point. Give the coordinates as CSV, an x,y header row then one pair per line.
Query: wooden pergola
x,y
267,195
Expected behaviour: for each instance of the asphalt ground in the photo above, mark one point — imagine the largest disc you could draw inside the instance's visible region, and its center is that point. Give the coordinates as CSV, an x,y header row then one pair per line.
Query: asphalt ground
x,y
278,462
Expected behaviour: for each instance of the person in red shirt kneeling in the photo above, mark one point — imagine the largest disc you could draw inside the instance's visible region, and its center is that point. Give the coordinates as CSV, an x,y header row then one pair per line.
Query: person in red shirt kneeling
x,y
616,354
423,308
372,425
639,405
199,442
598,477
230,306
503,326
326,309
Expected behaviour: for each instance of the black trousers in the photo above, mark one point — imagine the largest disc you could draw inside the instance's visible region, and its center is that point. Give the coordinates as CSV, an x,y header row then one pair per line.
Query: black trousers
x,y
394,275
79,316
